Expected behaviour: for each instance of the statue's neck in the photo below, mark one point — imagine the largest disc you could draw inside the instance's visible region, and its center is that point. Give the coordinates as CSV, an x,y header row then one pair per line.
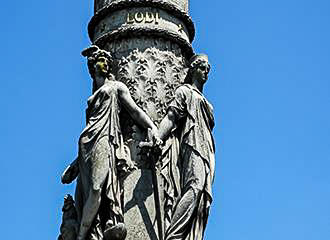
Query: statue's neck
x,y
198,85
99,81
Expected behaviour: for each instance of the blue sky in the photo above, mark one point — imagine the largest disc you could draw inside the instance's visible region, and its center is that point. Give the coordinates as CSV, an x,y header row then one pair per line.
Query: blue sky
x,y
269,84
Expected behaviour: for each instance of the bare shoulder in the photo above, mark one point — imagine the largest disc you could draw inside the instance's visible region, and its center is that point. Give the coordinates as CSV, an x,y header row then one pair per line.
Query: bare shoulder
x,y
121,87
183,88
108,87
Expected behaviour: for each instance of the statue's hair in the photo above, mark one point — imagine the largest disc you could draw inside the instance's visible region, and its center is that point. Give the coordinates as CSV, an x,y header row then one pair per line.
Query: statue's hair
x,y
93,53
193,63
69,198
68,202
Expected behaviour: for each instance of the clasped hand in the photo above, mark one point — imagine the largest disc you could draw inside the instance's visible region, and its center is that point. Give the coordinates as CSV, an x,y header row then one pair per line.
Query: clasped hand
x,y
153,141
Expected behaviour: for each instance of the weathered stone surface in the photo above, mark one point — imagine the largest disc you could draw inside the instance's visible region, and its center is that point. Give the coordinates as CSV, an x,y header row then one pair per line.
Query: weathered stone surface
x,y
146,47
191,111
69,226
140,216
181,4
103,159
141,18
125,19
152,69
152,76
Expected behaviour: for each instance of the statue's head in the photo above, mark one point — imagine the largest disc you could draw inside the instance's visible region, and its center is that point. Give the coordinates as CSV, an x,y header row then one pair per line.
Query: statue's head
x,y
68,203
99,61
199,69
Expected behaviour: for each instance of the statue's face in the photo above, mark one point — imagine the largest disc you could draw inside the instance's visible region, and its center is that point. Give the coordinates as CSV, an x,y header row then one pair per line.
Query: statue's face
x,y
102,66
201,71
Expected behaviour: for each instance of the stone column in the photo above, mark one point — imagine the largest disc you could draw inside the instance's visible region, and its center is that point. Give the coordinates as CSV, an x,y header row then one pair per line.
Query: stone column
x,y
151,42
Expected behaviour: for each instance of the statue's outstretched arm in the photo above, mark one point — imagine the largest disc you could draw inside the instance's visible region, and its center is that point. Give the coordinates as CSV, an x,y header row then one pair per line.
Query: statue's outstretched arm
x,y
167,124
138,115
70,173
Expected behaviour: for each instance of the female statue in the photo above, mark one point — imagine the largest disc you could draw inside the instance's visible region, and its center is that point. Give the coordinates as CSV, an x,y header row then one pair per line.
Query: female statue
x,y
191,115
102,155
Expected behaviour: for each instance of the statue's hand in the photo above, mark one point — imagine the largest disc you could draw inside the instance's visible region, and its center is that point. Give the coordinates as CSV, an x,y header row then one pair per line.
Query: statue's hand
x,y
153,145
153,136
153,140
145,144
70,173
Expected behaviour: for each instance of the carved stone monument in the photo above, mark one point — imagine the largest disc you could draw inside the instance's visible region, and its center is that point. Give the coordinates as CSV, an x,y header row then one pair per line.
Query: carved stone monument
x,y
134,183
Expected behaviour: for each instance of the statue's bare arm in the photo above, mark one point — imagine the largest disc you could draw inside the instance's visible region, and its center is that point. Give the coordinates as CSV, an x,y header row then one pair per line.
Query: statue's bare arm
x,y
167,124
133,109
71,172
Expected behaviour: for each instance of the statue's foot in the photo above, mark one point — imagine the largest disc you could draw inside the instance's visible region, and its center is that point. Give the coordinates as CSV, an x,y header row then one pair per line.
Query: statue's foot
x,y
116,232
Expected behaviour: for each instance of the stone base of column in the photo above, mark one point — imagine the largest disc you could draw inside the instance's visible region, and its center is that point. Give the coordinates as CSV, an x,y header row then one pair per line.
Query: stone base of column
x,y
139,207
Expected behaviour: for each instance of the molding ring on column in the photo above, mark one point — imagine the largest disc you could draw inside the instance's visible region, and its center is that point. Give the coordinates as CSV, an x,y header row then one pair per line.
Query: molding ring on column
x,y
124,4
135,31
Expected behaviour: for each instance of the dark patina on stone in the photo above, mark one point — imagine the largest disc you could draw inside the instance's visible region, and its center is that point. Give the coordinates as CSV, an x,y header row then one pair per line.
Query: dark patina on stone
x,y
145,165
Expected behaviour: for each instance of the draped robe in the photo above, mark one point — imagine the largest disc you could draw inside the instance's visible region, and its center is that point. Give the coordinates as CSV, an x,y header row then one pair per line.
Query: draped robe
x,y
195,120
101,149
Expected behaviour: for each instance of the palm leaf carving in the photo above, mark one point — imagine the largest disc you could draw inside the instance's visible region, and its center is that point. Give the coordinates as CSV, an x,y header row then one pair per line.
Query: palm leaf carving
x,y
152,77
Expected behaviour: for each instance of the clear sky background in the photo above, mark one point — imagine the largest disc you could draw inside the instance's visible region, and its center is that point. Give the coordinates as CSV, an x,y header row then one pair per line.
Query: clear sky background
x,y
270,85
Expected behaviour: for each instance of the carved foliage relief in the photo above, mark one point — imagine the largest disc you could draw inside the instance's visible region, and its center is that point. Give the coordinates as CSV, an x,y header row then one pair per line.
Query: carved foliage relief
x,y
152,77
